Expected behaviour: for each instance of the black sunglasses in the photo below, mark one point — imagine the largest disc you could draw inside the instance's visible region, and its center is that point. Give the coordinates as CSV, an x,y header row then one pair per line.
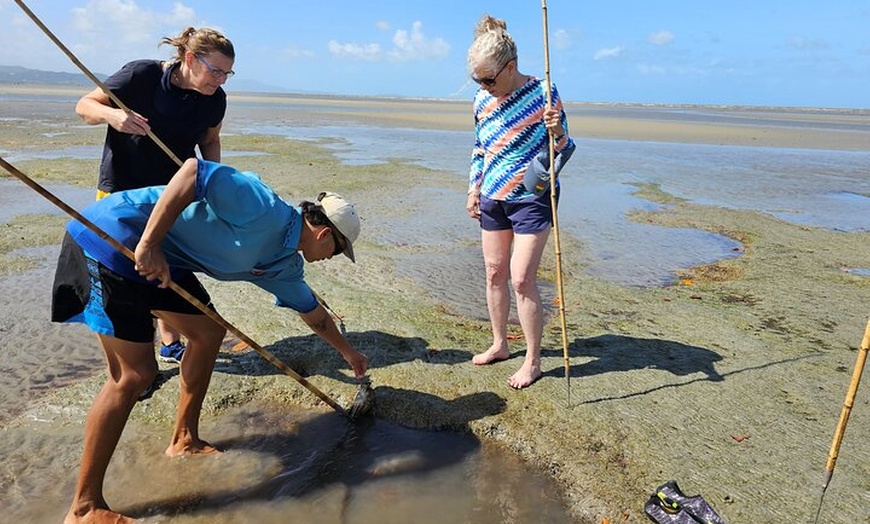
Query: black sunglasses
x,y
336,237
489,82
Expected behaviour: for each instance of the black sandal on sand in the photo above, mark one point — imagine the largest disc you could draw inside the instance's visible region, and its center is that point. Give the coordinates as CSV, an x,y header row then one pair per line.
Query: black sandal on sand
x,y
159,380
660,512
670,496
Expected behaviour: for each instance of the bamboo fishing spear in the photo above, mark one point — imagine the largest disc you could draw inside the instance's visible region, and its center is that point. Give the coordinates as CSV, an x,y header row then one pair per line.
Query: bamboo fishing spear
x,y
76,215
172,285
844,414
159,143
559,286
93,78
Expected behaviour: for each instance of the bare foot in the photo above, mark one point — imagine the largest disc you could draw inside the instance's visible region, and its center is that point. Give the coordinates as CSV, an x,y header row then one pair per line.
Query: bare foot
x,y
198,447
494,354
97,516
527,375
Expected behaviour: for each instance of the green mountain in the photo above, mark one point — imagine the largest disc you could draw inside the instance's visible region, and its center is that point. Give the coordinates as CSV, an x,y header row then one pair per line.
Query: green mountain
x,y
23,75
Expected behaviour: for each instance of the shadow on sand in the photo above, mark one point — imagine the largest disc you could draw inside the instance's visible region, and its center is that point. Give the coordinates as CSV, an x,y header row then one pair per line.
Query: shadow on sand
x,y
310,355
615,353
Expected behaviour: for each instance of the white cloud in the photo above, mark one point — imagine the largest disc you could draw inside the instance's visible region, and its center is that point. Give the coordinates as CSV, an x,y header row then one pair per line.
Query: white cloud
x,y
661,37
291,53
181,14
361,51
562,39
383,25
406,47
805,44
415,46
648,69
608,53
124,22
103,34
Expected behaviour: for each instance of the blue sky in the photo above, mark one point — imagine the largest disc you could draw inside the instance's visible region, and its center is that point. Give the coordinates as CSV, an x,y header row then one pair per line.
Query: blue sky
x,y
762,52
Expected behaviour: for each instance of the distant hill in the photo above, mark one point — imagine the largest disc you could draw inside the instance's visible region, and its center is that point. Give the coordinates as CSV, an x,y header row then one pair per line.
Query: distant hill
x,y
23,75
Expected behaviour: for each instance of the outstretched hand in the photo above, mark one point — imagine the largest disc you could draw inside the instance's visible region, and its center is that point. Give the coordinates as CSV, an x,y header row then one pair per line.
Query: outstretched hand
x,y
358,362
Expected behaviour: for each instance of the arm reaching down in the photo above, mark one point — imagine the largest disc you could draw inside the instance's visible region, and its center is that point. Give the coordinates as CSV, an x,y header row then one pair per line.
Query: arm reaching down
x,y
321,323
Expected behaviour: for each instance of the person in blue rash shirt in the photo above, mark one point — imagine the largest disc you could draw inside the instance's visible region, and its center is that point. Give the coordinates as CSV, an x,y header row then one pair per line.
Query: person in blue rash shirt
x,y
212,219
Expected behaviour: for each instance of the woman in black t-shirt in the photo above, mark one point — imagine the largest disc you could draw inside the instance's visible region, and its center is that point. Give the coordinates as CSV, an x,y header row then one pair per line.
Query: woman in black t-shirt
x,y
181,102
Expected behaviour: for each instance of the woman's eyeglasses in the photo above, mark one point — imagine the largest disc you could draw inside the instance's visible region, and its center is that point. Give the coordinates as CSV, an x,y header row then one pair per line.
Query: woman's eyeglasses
x,y
215,72
489,82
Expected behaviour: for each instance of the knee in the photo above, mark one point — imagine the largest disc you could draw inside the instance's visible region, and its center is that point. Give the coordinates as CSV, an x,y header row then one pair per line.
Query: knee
x,y
208,339
525,285
496,274
133,383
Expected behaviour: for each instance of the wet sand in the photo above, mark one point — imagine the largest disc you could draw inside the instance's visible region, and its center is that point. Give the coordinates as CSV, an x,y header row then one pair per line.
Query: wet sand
x,y
621,122
731,382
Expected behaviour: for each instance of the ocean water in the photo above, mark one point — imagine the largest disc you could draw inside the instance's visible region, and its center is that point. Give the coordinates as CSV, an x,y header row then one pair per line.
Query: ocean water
x,y
823,188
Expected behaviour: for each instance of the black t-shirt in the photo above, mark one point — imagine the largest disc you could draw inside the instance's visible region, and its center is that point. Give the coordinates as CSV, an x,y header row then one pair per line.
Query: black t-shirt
x,y
178,117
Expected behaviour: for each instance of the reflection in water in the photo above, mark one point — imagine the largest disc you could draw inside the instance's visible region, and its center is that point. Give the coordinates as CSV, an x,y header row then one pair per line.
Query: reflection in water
x,y
284,465
811,187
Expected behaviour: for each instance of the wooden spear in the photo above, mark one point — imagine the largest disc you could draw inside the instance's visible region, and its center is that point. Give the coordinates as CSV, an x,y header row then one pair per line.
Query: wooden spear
x,y
558,246
844,415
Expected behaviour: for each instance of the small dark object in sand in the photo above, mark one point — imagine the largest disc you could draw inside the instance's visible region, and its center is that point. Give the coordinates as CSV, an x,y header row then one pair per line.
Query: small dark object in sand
x,y
363,400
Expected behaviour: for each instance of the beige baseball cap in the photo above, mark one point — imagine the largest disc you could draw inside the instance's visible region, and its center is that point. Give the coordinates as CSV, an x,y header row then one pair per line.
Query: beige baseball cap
x,y
342,215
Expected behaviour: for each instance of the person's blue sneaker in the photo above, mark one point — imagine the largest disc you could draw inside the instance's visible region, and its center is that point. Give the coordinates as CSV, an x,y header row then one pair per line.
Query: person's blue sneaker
x,y
172,353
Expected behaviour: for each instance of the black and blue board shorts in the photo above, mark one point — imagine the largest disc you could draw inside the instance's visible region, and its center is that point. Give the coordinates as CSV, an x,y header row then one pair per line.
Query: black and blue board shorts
x,y
110,304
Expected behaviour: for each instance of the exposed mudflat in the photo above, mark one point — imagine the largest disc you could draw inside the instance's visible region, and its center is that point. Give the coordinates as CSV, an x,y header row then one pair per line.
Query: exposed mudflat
x,y
730,382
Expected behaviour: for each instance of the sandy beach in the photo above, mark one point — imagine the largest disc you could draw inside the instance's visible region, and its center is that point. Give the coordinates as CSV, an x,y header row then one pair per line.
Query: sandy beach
x,y
729,381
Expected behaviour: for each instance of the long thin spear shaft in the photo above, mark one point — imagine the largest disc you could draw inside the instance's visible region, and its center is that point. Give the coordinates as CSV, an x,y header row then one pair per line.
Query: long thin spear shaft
x,y
557,243
175,287
93,78
844,414
118,102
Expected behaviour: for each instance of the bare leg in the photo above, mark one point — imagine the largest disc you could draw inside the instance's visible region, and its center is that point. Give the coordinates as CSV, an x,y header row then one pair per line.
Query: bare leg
x,y
524,267
131,368
496,257
168,334
204,338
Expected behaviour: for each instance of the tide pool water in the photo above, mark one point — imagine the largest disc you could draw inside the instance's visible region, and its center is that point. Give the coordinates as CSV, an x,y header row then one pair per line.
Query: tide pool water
x,y
828,189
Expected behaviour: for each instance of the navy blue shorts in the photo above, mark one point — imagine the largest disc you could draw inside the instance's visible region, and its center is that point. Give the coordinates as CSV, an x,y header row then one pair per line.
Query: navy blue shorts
x,y
526,216
86,291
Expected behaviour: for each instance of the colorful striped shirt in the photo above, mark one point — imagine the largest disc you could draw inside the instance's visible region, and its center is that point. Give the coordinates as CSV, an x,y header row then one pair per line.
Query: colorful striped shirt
x,y
509,132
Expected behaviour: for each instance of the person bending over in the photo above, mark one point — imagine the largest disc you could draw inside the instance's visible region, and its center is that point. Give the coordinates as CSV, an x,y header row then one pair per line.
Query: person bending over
x,y
209,219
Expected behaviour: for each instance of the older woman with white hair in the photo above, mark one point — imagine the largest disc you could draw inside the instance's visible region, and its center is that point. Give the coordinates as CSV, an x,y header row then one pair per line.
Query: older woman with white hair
x,y
513,124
